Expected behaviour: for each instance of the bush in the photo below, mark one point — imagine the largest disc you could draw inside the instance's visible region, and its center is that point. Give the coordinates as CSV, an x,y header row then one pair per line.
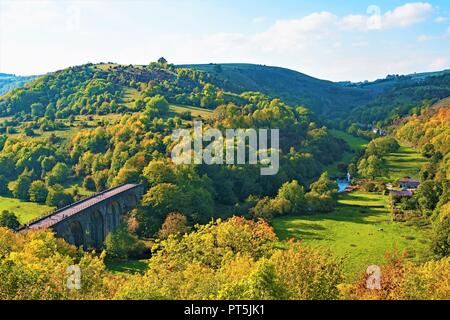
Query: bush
x,y
9,220
38,191
122,245
57,197
21,187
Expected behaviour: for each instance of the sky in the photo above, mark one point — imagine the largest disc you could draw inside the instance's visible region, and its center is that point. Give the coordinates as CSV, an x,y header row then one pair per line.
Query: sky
x,y
336,40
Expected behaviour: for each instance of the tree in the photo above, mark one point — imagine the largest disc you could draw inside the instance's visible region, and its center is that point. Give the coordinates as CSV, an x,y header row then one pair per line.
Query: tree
x,y
38,191
159,171
428,150
441,232
121,244
37,109
9,220
50,112
371,167
174,224
324,185
307,273
427,195
4,190
89,183
57,197
21,187
60,173
165,198
158,103
294,194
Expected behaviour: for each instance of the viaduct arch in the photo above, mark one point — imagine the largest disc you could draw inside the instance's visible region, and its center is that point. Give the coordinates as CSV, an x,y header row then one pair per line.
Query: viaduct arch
x,y
87,222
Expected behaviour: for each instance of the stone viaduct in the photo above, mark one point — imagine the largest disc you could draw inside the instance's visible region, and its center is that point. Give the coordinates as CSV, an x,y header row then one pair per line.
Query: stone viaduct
x,y
87,222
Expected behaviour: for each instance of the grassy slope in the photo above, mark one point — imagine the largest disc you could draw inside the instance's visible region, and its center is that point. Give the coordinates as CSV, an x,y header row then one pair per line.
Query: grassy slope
x,y
356,144
353,232
195,111
25,211
405,162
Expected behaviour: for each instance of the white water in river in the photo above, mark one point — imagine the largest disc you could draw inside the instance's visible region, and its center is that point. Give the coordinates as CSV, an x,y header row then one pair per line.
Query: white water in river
x,y
342,184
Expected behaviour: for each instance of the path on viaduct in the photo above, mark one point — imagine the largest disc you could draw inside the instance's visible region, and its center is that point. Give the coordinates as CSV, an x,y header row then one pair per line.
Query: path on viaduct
x,y
87,222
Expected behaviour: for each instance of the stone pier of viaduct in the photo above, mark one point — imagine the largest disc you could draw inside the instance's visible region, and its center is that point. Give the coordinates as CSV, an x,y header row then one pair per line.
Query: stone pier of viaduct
x,y
87,222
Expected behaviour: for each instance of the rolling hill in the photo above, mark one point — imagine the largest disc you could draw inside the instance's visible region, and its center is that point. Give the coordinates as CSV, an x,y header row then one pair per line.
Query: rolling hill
x,y
335,103
10,81
321,96
364,102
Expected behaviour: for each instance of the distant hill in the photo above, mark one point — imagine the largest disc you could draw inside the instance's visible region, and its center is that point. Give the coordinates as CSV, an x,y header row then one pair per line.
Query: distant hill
x,y
401,97
322,96
383,85
117,88
11,81
337,102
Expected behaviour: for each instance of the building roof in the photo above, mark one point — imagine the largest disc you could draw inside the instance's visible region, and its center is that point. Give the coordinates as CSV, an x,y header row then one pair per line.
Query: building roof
x,y
402,193
406,179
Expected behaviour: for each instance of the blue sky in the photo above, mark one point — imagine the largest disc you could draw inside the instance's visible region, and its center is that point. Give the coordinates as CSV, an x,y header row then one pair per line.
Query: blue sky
x,y
335,40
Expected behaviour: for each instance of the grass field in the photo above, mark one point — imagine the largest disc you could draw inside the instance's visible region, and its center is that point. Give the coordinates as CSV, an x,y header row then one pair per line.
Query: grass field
x,y
405,162
130,266
25,211
359,230
195,111
356,144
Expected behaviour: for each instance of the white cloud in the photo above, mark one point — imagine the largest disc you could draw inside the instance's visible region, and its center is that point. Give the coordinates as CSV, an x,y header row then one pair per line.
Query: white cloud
x,y
407,15
448,30
402,16
296,34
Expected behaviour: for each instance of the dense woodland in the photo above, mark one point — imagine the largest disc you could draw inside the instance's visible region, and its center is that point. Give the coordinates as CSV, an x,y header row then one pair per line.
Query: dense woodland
x,y
208,226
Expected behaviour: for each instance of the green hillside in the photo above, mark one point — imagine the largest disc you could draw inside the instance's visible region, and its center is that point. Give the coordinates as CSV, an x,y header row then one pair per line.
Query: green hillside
x,y
321,96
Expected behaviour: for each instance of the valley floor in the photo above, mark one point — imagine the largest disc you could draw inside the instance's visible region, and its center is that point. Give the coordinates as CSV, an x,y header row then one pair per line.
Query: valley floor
x,y
360,231
25,211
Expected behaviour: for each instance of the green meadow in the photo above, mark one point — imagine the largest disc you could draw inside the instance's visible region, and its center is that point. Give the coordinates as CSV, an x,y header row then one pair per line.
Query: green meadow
x,y
356,145
359,230
405,162
25,211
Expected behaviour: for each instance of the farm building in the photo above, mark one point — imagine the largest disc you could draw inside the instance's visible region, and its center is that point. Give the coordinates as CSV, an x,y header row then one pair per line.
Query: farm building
x,y
408,183
401,193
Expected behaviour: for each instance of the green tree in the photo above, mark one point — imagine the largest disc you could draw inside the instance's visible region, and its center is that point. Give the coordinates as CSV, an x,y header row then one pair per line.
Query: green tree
x,y
159,103
57,197
89,183
38,191
9,220
21,187
427,195
121,244
371,167
324,185
4,190
60,173
37,109
294,194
